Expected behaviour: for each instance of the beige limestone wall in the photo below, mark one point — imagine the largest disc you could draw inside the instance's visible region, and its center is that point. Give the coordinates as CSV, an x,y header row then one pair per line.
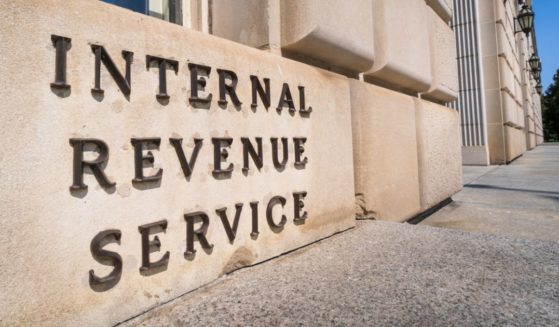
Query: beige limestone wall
x,y
407,152
438,150
503,69
444,69
403,45
244,22
528,90
443,8
385,152
334,33
475,156
402,53
46,256
538,119
324,33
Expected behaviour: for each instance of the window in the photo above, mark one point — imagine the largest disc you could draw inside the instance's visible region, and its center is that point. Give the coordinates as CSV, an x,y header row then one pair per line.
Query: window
x,y
169,10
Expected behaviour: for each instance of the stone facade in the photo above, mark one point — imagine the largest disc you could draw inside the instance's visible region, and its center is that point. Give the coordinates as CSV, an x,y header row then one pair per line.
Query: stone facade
x,y
144,159
499,104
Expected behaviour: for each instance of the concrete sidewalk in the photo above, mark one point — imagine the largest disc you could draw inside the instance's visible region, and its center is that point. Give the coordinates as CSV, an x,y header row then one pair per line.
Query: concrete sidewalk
x,y
521,199
386,274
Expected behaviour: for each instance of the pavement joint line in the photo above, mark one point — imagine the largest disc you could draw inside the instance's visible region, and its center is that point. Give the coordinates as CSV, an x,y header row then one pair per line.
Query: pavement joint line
x,y
488,205
482,175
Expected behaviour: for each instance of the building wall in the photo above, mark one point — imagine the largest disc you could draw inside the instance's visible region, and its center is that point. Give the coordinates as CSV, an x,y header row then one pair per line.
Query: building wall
x,y
406,47
368,82
471,101
496,88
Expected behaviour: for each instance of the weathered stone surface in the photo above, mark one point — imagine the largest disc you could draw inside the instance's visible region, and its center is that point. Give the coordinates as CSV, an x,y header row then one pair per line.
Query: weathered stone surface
x,y
444,85
439,152
401,37
242,21
504,86
385,152
475,155
46,253
330,31
443,8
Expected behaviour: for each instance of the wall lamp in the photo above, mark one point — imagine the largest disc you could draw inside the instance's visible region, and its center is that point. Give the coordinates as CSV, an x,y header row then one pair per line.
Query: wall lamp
x,y
537,74
535,63
539,88
525,20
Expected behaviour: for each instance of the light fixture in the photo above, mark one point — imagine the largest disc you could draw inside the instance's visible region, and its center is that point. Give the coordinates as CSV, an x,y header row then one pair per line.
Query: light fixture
x,y
525,19
535,62
539,88
537,74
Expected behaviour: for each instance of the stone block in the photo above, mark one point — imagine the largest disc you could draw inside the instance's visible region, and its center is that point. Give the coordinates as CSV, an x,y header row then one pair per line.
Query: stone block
x,y
385,152
46,254
475,156
486,11
493,106
443,8
439,152
242,21
496,143
444,67
330,32
491,72
515,143
401,38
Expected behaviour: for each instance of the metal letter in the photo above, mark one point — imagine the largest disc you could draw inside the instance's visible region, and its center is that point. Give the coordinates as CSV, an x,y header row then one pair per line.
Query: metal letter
x,y
95,164
299,149
264,94
299,205
200,233
152,246
187,167
198,83
254,209
303,111
62,46
220,155
249,149
163,65
107,258
227,88
139,159
279,164
286,98
230,231
269,210
102,56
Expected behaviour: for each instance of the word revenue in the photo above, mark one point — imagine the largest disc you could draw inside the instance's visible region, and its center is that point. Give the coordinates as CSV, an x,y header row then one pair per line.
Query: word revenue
x,y
197,224
143,155
199,75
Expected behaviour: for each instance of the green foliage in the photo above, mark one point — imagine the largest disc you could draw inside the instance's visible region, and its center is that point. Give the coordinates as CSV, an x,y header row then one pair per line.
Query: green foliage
x,y
550,108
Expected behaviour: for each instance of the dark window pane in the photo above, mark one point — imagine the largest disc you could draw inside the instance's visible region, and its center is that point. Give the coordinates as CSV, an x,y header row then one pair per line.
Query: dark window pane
x,y
169,10
135,5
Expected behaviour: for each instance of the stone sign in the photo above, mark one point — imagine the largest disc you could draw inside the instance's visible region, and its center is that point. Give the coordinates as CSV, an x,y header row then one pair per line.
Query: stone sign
x,y
142,160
